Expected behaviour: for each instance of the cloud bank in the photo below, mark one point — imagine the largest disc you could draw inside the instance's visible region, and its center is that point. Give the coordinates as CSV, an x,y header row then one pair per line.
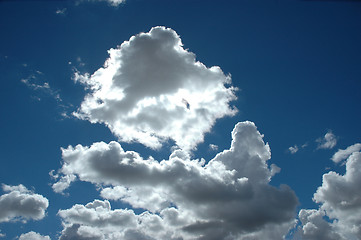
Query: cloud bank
x,y
151,90
182,198
19,203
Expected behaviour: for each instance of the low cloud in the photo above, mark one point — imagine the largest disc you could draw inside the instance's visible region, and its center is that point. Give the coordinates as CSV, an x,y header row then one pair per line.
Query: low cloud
x,y
183,198
33,236
328,141
341,155
339,197
151,90
21,204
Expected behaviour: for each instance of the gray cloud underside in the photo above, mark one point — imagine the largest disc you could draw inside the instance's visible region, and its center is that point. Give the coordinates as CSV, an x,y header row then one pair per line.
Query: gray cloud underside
x,y
19,203
227,198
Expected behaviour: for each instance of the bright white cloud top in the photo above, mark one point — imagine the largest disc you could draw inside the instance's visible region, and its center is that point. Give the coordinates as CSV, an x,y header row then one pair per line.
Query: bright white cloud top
x,y
21,204
228,197
151,90
33,236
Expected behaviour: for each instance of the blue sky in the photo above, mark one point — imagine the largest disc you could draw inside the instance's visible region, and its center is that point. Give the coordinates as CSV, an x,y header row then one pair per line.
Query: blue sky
x,y
140,147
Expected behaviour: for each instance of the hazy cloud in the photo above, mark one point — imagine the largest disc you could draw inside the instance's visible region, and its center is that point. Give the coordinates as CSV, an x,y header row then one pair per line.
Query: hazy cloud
x,y
328,141
19,203
60,11
35,82
151,89
33,236
113,3
228,197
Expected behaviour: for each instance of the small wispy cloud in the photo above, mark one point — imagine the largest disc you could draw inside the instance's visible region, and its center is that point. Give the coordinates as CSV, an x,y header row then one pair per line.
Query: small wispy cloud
x,y
328,141
213,147
61,11
293,149
35,84
114,3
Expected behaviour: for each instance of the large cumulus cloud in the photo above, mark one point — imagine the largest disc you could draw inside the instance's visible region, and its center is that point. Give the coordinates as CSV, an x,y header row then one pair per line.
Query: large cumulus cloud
x,y
151,89
19,203
227,198
339,197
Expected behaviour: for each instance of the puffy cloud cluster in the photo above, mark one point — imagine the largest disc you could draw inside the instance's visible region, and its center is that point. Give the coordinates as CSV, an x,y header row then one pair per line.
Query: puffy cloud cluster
x,y
314,226
227,198
151,90
33,236
328,141
339,197
19,203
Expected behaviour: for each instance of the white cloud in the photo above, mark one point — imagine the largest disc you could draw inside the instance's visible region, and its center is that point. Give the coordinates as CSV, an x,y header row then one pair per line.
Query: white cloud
x,y
293,149
33,236
341,155
329,141
1,234
151,89
227,198
21,204
213,147
339,197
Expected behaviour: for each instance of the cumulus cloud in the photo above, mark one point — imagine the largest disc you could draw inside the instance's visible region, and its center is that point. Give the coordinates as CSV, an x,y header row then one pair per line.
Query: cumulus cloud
x,y
151,89
227,198
341,155
328,141
19,203
339,197
33,236
315,227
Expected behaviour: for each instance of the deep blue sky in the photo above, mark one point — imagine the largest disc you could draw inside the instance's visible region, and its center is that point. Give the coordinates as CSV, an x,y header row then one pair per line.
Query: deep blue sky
x,y
296,64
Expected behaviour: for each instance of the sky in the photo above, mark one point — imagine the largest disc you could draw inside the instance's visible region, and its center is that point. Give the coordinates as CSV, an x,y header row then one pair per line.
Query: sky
x,y
182,119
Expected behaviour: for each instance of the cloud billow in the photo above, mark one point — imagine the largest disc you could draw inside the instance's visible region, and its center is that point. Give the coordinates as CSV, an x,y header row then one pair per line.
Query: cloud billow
x,y
19,203
339,197
228,198
151,90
